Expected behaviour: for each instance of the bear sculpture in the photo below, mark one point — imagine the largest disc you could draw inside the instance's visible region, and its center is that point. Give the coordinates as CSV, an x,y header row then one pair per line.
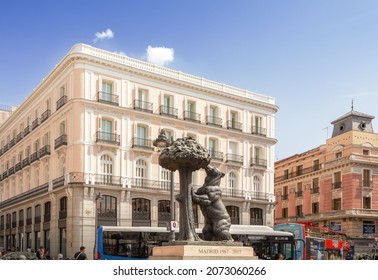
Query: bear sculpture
x,y
209,198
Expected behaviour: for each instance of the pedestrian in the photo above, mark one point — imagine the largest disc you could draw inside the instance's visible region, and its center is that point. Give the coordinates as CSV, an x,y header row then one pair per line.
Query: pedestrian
x,y
279,257
41,253
81,255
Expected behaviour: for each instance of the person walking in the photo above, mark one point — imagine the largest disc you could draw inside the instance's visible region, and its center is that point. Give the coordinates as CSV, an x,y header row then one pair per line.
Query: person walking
x,y
81,255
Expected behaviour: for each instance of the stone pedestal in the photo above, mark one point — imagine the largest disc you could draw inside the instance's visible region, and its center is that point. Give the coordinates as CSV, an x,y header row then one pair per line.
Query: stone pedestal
x,y
203,251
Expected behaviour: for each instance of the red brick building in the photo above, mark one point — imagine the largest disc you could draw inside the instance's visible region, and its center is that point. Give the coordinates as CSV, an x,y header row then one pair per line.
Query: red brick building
x,y
336,184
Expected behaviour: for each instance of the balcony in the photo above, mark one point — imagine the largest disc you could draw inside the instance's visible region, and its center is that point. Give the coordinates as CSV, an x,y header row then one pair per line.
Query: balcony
x,y
62,214
29,221
214,121
20,223
257,130
34,157
11,171
19,136
143,106
215,155
5,148
44,151
259,162
45,115
47,218
315,190
5,174
61,101
35,123
336,185
26,130
25,162
1,152
108,98
298,193
168,111
285,197
108,138
141,143
12,142
231,158
234,125
18,166
37,220
60,141
191,116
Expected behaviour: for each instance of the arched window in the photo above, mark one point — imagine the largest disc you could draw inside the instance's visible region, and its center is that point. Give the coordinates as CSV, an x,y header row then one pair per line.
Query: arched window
x,y
141,212
141,173
107,211
63,208
256,191
106,169
165,179
231,186
164,213
233,211
256,216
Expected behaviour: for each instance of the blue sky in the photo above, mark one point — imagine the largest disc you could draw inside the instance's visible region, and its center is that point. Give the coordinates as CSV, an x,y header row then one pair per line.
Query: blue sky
x,y
313,57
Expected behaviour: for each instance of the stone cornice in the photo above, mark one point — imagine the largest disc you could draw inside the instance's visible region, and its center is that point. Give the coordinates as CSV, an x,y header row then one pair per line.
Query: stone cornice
x,y
154,71
86,53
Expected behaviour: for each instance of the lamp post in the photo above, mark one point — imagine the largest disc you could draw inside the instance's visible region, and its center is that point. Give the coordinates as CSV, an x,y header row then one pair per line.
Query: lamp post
x,y
97,197
162,142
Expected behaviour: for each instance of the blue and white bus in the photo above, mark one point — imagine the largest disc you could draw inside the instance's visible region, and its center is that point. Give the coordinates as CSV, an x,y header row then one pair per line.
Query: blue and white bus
x,y
130,243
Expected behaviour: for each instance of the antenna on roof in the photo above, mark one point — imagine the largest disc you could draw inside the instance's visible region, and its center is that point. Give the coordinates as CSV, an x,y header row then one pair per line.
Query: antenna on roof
x,y
352,105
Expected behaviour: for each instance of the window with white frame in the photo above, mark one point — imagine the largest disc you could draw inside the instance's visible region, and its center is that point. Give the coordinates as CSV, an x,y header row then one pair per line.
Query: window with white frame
x,y
256,185
106,169
165,178
106,91
140,173
231,183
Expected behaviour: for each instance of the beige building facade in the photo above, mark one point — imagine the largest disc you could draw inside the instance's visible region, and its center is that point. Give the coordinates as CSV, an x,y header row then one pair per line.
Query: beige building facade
x,y
88,128
335,186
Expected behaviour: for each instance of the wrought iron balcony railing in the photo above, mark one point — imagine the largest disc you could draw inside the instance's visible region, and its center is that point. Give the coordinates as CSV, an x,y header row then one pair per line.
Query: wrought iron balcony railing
x,y
141,143
26,130
61,101
192,116
257,130
215,155
234,125
46,114
168,111
44,151
60,141
108,138
25,162
34,157
143,106
19,136
234,158
35,123
336,185
106,97
214,121
259,162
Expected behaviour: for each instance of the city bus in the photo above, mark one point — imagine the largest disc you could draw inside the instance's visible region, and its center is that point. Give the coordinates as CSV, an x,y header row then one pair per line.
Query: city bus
x,y
316,243
130,243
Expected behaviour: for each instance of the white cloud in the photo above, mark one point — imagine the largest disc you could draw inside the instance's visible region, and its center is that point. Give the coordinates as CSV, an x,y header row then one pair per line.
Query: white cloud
x,y
160,55
107,34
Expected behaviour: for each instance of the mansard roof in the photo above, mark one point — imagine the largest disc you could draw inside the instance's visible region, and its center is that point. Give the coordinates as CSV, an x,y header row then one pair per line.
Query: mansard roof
x,y
353,114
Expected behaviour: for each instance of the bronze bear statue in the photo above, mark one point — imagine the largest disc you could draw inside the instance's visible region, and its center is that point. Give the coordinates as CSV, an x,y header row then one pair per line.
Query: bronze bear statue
x,y
209,198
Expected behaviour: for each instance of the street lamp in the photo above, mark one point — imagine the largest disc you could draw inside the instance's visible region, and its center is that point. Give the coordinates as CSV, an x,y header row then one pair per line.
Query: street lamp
x,y
162,142
97,197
